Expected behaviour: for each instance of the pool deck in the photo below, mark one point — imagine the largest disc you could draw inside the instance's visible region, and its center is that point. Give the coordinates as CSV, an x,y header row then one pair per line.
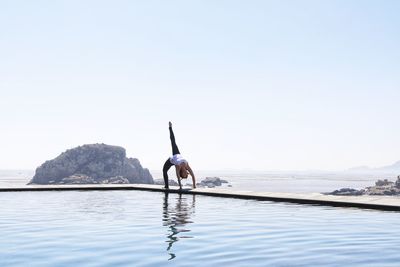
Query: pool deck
x,y
364,202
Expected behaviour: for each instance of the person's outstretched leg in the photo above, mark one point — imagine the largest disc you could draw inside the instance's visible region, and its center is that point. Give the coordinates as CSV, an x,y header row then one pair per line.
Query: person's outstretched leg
x,y
175,149
166,167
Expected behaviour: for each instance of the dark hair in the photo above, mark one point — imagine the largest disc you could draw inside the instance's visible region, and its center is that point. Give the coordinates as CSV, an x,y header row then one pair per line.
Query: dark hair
x,y
183,173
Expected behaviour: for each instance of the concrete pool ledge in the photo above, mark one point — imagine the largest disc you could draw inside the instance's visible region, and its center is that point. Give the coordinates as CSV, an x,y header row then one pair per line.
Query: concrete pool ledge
x,y
365,202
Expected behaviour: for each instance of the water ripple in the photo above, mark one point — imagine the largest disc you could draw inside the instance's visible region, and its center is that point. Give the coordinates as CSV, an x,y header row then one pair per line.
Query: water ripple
x,y
126,228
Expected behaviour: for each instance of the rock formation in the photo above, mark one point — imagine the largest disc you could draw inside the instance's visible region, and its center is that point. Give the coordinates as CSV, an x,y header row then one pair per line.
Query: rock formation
x,y
92,164
381,188
211,182
346,192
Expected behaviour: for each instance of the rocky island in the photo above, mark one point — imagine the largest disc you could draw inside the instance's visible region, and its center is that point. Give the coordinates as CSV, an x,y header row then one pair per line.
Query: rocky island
x,y
92,164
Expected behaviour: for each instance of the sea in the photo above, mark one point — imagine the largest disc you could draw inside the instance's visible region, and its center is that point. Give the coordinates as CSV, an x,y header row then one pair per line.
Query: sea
x,y
151,229
258,181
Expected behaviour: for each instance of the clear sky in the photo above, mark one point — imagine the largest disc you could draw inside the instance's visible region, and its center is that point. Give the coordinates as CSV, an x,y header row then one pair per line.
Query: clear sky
x,y
264,85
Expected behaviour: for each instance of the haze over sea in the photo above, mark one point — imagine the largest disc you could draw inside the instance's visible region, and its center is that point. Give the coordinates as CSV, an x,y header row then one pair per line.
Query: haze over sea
x,y
263,181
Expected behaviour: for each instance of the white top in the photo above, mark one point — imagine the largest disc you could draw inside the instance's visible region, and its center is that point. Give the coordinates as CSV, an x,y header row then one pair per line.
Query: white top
x,y
177,159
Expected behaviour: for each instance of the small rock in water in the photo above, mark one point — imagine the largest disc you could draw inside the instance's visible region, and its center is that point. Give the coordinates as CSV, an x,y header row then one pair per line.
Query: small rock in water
x,y
346,192
211,182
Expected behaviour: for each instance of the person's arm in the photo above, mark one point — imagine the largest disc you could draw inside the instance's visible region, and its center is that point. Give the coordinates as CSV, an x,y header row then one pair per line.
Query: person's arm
x,y
192,174
178,168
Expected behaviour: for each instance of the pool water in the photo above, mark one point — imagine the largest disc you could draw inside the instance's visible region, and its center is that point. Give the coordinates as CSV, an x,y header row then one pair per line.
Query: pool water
x,y
133,228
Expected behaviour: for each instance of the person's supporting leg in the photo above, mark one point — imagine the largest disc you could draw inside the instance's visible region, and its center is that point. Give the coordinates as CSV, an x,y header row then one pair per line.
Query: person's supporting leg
x,y
179,182
175,149
166,167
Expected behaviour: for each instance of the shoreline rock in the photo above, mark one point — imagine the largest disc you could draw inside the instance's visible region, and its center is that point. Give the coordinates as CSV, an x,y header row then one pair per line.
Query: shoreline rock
x,y
346,192
211,182
381,188
92,164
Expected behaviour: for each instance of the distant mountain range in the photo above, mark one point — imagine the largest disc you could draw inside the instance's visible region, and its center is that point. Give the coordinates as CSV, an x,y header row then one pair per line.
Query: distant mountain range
x,y
395,167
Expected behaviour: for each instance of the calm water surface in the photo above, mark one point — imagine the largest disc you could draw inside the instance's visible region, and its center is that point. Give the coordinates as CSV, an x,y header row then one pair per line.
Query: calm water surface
x,y
132,228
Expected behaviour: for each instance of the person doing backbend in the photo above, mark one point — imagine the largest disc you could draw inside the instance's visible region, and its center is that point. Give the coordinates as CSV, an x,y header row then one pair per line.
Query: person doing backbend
x,y
182,167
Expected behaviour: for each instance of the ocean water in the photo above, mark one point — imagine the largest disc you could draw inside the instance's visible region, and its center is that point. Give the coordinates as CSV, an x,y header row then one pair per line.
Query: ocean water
x,y
293,182
133,228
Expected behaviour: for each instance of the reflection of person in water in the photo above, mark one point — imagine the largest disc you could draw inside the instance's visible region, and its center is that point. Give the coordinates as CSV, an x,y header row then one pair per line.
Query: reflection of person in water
x,y
175,218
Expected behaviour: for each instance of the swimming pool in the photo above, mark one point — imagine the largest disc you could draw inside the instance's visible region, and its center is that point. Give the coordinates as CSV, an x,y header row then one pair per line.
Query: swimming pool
x,y
133,228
